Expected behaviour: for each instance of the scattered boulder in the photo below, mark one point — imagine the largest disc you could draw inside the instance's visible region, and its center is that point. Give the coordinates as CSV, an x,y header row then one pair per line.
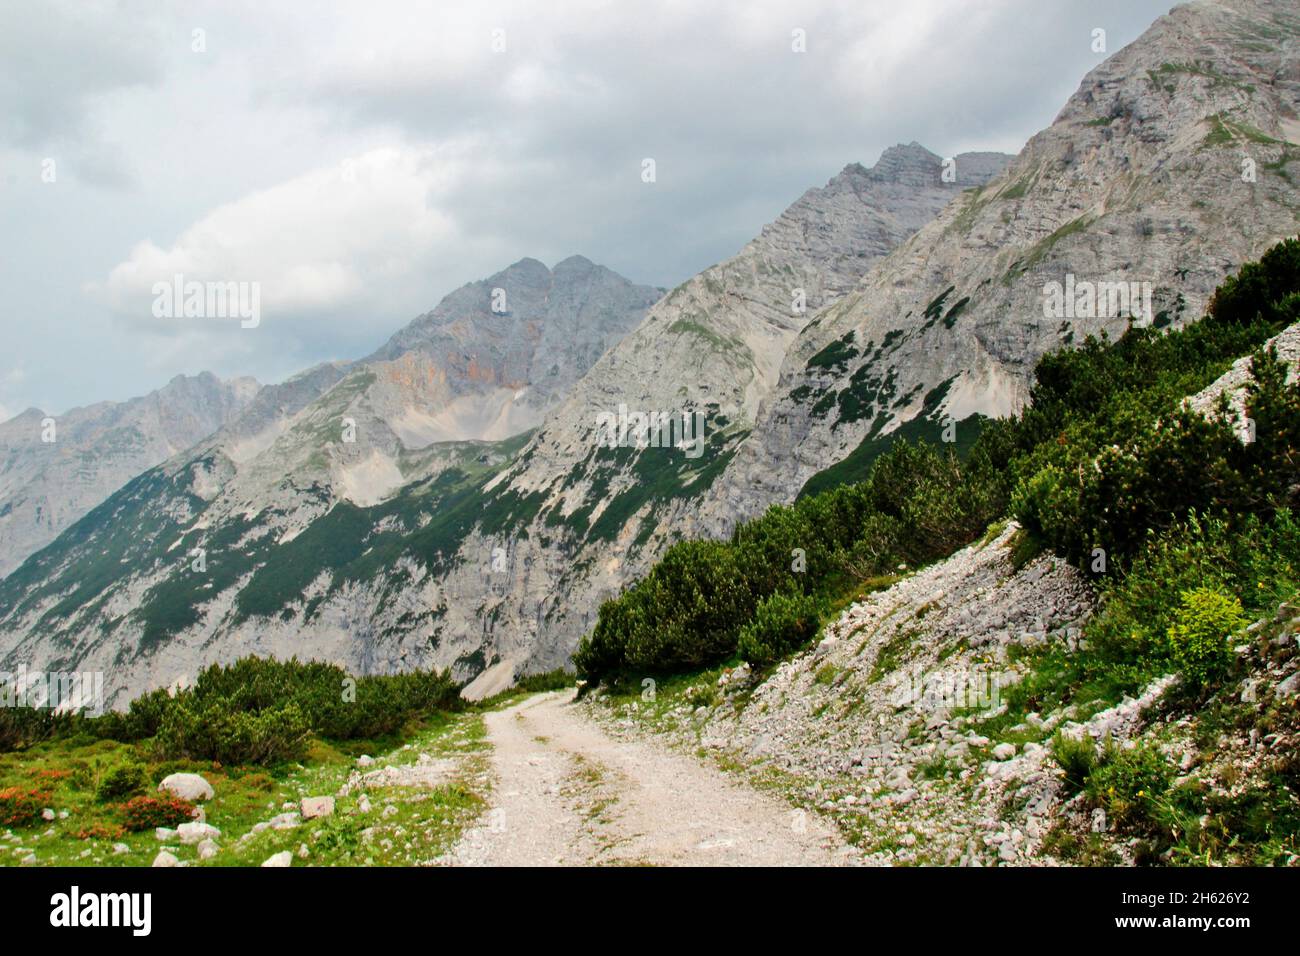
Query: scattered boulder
x,y
281,859
284,821
187,786
208,849
165,859
313,807
824,647
47,814
164,834
197,832
1004,751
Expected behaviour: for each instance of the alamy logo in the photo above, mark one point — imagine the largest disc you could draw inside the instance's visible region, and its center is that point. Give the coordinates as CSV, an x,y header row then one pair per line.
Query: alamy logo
x,y
628,429
69,691
208,300
975,688
1097,300
73,909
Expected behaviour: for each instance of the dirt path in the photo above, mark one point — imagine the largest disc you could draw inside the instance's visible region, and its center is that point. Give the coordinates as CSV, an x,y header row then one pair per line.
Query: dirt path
x,y
566,793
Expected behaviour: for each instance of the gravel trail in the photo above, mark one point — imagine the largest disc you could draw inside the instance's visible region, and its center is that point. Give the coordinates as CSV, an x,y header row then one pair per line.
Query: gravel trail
x,y
566,793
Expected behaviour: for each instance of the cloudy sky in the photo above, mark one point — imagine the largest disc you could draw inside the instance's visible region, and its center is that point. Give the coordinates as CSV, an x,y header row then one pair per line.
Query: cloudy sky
x,y
359,160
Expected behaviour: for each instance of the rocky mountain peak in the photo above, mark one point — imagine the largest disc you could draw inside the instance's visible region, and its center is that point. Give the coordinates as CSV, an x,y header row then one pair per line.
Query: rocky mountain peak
x,y
908,164
46,486
1166,169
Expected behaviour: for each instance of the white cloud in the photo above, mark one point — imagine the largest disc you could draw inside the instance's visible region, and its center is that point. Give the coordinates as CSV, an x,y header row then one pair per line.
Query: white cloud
x,y
228,162
321,246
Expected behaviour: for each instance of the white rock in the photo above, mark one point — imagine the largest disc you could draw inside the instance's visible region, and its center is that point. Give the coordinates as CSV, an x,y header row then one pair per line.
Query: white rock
x,y
163,834
165,859
208,849
187,786
196,832
364,804
120,848
282,859
48,814
313,807
365,760
1004,751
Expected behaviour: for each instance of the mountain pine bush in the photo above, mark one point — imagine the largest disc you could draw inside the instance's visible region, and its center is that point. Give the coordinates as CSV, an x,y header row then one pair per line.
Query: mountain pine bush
x,y
782,622
261,711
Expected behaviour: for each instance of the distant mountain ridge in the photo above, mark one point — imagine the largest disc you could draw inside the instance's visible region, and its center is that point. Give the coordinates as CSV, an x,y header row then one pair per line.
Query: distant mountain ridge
x,y
47,485
381,550
481,367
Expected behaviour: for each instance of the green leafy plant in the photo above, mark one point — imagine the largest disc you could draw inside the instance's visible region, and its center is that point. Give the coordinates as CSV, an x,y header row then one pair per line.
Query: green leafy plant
x,y
1077,758
1200,635
1128,782
122,781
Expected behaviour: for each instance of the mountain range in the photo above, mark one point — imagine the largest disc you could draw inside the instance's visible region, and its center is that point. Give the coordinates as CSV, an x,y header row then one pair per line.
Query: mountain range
x,y
446,500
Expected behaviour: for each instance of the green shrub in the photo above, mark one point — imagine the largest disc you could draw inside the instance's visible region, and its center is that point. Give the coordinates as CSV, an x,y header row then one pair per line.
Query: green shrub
x,y
1259,288
148,813
1077,758
258,781
1200,636
1128,783
213,731
122,781
22,727
260,711
21,808
546,681
782,623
